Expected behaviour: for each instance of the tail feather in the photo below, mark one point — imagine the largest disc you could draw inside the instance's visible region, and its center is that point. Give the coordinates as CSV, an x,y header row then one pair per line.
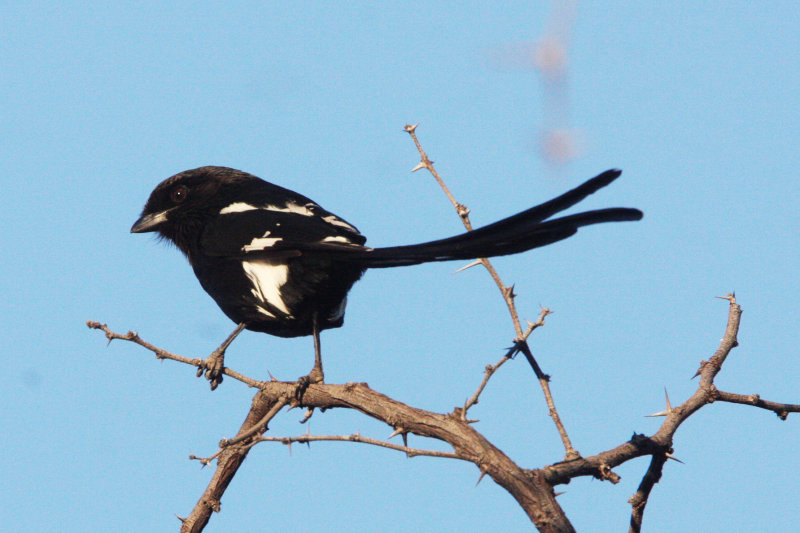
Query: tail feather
x,y
518,233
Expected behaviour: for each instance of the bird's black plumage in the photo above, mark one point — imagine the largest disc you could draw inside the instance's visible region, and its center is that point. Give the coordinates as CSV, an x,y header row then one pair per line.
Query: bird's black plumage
x,y
275,261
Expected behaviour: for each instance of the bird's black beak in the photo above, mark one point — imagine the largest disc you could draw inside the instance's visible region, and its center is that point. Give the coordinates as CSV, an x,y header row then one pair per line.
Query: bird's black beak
x,y
149,222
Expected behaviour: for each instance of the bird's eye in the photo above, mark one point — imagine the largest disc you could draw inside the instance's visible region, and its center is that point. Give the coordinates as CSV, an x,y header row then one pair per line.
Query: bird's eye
x,y
179,194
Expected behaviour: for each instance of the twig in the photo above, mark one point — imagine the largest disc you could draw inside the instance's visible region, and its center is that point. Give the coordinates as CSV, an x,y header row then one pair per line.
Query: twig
x,y
160,353
491,369
780,409
544,382
508,295
228,462
639,500
661,441
259,427
488,372
356,437
463,213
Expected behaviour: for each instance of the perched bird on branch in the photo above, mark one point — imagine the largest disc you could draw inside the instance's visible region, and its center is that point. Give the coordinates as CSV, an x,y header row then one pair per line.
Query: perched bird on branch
x,y
277,262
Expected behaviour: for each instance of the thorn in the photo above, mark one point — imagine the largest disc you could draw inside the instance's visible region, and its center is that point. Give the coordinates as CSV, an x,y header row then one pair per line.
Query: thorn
x,y
271,377
420,166
557,494
668,410
472,420
179,517
398,430
509,291
289,445
405,440
483,474
670,456
474,263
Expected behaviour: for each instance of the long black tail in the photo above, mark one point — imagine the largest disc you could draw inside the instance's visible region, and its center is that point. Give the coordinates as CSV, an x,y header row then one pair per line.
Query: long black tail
x,y
523,231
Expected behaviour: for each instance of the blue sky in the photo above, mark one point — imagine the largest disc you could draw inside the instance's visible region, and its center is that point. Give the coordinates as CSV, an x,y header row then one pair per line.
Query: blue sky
x,y
696,103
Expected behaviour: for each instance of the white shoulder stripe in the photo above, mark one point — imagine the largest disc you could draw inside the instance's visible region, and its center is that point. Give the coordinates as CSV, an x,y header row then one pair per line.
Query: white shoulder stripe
x,y
297,209
237,207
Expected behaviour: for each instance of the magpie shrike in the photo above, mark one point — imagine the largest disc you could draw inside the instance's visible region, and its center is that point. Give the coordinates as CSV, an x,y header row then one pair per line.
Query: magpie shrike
x,y
275,261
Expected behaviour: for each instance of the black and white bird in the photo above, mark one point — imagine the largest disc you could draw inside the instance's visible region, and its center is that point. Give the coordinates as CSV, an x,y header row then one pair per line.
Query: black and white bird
x,y
275,261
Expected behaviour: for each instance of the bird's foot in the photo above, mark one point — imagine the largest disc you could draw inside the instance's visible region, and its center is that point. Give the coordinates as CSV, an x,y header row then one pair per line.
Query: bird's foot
x,y
315,376
213,366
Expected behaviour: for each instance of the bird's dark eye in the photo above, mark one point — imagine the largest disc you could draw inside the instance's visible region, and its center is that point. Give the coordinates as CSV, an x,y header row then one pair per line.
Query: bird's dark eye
x,y
179,194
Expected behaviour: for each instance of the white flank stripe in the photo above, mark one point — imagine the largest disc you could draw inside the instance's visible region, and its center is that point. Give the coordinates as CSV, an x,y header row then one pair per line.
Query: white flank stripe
x,y
238,207
267,279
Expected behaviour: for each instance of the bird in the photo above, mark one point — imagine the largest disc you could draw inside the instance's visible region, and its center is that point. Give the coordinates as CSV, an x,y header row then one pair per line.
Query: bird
x,y
276,262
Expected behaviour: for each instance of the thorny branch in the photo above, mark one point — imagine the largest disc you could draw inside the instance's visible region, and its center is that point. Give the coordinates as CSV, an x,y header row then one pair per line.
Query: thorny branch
x,y
507,292
532,488
132,336
491,369
356,437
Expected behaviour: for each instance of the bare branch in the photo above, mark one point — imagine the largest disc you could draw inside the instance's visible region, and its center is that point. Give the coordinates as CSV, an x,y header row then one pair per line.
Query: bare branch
x,y
491,369
160,353
528,487
356,437
780,409
228,462
463,213
488,372
508,295
639,500
533,489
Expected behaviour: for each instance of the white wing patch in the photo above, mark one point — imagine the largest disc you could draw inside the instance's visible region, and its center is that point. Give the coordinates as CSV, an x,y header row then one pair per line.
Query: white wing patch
x,y
261,243
267,279
238,207
292,208
336,221
339,238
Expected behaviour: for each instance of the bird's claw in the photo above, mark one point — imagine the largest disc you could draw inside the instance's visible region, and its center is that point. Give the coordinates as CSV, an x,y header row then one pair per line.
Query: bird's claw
x,y
315,376
213,367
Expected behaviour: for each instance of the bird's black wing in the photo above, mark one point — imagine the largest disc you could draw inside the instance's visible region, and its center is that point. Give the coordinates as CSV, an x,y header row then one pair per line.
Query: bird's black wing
x,y
266,231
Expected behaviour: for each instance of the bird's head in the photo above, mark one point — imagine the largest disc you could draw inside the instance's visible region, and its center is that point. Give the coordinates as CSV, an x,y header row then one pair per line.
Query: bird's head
x,y
180,206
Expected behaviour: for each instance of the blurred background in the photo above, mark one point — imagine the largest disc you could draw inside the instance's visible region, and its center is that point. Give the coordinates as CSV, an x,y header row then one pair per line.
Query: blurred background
x,y
696,103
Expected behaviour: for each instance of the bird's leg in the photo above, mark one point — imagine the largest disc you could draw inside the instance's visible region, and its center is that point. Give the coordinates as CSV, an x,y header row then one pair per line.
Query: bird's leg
x,y
214,364
316,375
